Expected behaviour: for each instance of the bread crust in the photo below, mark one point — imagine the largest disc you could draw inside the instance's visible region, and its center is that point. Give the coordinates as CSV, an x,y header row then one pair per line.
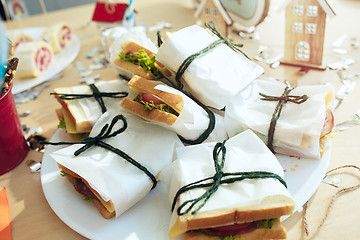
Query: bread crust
x,y
81,127
101,208
271,207
238,216
140,85
276,232
132,47
154,114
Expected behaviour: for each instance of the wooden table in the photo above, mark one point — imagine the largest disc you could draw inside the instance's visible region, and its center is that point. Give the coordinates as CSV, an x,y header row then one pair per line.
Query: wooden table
x,y
32,217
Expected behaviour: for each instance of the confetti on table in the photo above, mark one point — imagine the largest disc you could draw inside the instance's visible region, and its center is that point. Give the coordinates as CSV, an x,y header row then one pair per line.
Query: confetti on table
x,y
349,123
336,182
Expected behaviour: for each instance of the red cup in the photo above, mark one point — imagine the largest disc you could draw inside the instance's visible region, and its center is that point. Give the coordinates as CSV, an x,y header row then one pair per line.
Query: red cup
x,y
13,146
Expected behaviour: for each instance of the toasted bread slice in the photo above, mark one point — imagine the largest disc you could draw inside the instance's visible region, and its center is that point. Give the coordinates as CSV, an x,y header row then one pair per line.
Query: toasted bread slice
x,y
140,85
74,114
270,207
277,231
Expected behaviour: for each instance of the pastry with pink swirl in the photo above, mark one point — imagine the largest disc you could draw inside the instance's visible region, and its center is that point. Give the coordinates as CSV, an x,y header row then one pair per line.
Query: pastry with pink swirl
x,y
58,36
17,39
34,58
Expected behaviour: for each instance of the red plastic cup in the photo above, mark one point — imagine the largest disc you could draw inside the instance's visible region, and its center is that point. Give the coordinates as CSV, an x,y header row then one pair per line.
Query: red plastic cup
x,y
13,146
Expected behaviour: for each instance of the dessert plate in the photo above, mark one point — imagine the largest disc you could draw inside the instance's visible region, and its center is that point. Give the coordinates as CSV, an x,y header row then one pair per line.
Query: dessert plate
x,y
60,61
149,218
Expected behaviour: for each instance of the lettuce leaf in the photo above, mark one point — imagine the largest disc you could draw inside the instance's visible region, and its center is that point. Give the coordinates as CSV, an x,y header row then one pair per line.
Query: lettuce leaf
x,y
142,59
161,107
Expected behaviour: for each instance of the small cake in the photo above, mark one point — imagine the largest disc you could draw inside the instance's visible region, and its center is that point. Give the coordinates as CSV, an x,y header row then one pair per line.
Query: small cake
x,y
58,36
17,39
34,58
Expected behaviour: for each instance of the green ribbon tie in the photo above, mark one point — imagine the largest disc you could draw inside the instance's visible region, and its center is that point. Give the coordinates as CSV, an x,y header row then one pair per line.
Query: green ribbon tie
x,y
191,58
96,94
107,132
282,100
213,183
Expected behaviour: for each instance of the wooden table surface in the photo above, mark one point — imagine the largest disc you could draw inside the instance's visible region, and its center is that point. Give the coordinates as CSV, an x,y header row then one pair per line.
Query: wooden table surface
x,y
32,217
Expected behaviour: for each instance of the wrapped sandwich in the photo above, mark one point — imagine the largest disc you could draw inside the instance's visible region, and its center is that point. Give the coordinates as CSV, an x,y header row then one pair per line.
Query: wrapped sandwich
x,y
172,109
80,109
227,190
58,36
138,60
34,58
122,167
293,122
214,76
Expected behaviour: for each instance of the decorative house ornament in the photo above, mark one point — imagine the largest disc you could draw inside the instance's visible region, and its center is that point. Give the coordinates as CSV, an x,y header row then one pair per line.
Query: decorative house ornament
x,y
231,15
305,31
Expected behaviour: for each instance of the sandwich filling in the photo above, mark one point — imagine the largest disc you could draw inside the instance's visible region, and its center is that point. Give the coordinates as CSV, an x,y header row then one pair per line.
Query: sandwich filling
x,y
328,124
142,59
106,209
237,228
151,102
79,186
63,124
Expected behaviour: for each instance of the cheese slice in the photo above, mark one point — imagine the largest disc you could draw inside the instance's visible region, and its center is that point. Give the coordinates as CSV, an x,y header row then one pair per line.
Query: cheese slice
x,y
108,205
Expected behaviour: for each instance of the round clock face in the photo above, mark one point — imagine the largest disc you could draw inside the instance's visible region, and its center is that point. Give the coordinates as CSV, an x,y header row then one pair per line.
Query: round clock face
x,y
246,12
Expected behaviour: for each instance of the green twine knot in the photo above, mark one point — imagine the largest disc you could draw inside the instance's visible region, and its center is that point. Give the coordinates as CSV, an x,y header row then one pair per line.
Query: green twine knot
x,y
191,58
107,132
96,94
234,46
213,183
282,100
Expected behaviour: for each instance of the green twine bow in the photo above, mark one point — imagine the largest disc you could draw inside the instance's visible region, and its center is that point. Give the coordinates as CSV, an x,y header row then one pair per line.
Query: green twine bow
x,y
191,58
282,100
213,183
96,94
106,132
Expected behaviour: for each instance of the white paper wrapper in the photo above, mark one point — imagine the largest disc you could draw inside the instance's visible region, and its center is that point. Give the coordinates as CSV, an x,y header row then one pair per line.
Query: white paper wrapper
x,y
299,126
89,106
215,77
244,152
193,119
109,174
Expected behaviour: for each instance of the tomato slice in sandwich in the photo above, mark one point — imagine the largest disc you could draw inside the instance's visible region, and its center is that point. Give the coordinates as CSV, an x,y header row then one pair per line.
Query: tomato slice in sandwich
x,y
149,98
329,124
233,229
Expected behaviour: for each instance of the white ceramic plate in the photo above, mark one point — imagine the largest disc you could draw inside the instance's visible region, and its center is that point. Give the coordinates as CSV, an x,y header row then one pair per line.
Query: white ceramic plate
x,y
149,218
60,61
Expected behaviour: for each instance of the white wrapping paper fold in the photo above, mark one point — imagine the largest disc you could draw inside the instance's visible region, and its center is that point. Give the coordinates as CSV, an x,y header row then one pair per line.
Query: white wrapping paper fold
x,y
89,106
299,126
214,77
244,152
193,119
110,175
